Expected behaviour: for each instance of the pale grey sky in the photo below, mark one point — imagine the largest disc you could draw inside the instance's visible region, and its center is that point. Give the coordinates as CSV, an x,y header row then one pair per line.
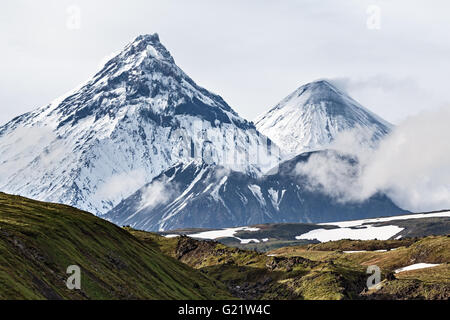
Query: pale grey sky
x,y
252,53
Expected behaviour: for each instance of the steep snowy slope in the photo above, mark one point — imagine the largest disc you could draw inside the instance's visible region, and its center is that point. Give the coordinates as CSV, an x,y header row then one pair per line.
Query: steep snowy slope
x,y
311,117
138,116
209,196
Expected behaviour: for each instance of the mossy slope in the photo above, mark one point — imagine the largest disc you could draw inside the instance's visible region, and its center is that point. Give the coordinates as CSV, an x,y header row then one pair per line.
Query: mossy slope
x,y
38,241
253,275
428,283
318,271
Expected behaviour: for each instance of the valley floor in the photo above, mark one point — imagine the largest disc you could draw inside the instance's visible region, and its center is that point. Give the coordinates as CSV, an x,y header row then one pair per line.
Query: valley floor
x,y
331,270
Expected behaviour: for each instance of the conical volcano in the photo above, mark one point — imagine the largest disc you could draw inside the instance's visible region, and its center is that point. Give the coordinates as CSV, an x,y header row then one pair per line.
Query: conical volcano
x,y
313,115
138,116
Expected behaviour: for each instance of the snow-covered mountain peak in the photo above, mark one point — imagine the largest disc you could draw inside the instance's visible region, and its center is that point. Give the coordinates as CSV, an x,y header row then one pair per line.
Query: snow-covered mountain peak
x,y
312,116
142,78
151,37
142,48
138,116
317,89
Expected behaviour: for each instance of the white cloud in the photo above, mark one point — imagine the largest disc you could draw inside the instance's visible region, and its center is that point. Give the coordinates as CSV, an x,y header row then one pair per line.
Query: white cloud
x,y
122,184
330,174
19,147
221,171
412,165
392,97
155,194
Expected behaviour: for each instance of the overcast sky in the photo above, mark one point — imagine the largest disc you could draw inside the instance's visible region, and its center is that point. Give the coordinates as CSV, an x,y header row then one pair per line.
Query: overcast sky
x,y
252,53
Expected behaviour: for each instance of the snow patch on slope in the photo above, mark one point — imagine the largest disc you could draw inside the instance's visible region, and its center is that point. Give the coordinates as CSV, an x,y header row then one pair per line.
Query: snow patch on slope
x,y
256,190
225,233
367,233
416,266
355,223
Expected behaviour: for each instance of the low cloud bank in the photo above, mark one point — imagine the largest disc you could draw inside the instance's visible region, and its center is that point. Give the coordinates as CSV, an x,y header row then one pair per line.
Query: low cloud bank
x,y
122,184
411,166
157,193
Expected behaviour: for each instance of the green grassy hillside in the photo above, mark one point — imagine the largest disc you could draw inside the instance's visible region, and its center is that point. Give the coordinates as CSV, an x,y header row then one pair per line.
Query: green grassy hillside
x,y
428,283
38,241
254,275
